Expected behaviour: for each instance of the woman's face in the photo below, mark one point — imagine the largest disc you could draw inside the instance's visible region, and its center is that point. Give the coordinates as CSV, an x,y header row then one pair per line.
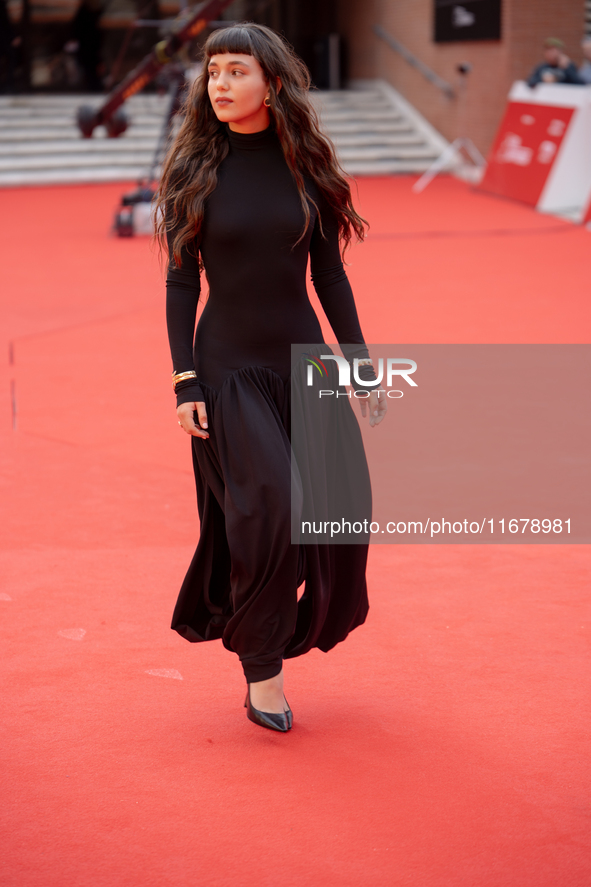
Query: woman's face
x,y
237,89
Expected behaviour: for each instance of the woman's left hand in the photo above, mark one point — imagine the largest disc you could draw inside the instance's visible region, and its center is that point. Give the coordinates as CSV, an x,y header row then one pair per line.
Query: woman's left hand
x,y
376,405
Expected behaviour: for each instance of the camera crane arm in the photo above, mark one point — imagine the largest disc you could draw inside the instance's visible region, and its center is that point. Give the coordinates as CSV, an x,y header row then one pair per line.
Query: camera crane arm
x,y
162,53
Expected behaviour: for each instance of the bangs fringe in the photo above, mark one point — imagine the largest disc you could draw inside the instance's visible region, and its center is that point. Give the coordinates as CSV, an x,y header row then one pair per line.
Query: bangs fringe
x,y
233,39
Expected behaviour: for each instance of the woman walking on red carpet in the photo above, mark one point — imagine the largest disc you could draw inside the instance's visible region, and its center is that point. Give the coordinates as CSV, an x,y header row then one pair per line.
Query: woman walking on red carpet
x,y
249,190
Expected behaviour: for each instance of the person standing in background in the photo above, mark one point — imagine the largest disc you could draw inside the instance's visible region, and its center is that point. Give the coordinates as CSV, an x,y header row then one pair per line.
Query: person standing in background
x,y
556,67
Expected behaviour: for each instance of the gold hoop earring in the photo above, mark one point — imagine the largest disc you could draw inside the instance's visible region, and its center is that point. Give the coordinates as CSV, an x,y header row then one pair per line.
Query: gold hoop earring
x,y
267,101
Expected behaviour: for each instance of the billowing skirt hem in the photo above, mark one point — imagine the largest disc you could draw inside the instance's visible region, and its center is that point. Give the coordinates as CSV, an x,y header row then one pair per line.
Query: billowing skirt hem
x,y
242,583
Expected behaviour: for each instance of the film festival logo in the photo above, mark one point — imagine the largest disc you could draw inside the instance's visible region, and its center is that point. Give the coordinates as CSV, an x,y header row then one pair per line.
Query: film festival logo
x,y
393,368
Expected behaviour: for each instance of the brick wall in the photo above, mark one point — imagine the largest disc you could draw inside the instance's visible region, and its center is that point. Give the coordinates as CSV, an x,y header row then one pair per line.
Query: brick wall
x,y
480,97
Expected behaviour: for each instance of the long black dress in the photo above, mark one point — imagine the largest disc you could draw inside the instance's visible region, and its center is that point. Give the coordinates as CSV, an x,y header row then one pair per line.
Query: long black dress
x,y
242,583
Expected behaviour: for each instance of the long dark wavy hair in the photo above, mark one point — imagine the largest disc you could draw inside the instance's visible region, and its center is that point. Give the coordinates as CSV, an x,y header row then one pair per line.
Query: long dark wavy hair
x,y
189,173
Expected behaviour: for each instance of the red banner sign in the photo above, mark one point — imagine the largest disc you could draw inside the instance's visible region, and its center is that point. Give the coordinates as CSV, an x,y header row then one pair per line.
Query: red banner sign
x,y
524,150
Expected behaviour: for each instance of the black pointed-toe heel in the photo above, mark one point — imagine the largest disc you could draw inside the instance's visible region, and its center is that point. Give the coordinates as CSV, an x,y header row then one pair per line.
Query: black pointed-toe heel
x,y
271,720
288,711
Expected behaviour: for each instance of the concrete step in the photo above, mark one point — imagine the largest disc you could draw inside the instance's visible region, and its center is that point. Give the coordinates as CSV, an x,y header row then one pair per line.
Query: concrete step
x,y
150,101
68,122
69,176
387,167
61,133
355,108
384,126
69,112
89,162
363,140
347,97
83,147
348,156
360,115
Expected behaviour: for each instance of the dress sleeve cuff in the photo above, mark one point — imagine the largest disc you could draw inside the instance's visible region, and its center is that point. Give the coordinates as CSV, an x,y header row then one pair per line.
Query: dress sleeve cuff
x,y
188,392
366,372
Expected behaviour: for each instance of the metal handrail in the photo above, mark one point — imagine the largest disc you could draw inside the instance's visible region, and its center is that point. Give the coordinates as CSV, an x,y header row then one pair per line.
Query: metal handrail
x,y
416,63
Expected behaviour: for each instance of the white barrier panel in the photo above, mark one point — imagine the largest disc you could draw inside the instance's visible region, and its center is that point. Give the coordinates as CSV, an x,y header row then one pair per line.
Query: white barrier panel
x,y
542,151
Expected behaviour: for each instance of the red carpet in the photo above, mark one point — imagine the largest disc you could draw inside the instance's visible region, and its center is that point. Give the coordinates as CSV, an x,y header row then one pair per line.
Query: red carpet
x,y
445,744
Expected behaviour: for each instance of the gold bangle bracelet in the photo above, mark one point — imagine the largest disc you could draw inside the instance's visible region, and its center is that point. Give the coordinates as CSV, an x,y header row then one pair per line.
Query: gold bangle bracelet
x,y
181,377
364,362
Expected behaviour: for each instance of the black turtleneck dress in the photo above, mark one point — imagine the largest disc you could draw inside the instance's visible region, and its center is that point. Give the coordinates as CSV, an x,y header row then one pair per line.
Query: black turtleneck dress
x,y
242,583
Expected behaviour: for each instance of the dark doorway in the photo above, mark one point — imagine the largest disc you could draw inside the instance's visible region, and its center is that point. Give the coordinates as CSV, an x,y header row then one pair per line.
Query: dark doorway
x,y
306,24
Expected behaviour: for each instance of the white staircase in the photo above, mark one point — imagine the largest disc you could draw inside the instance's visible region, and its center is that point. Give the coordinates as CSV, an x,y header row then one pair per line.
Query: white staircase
x,y
375,131
41,144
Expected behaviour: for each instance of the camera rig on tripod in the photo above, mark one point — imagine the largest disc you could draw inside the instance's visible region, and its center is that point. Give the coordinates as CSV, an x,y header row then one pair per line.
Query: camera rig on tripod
x,y
110,114
134,216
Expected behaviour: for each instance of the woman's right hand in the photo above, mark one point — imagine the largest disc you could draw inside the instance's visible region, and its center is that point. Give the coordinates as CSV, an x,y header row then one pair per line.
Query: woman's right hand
x,y
186,418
